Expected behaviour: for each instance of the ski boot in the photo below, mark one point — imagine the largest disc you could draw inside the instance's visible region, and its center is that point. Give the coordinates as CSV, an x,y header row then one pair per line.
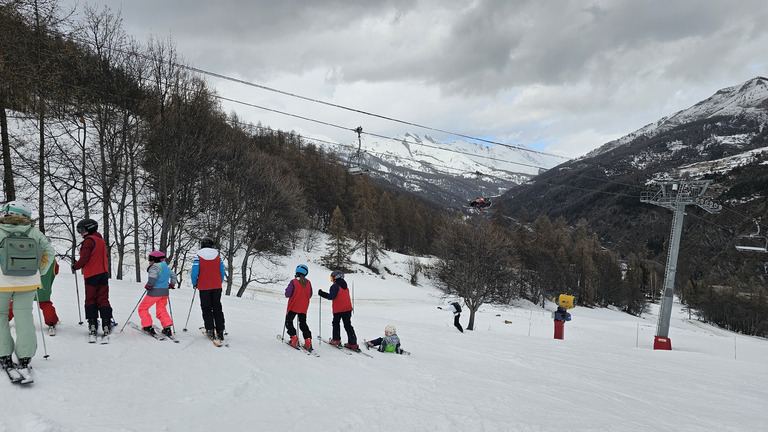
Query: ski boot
x,y
352,347
106,330
24,362
335,342
149,330
308,344
294,341
7,362
220,335
92,330
52,330
167,331
210,333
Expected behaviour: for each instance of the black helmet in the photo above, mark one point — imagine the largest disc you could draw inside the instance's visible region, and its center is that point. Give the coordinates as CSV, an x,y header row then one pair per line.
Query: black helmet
x,y
207,242
87,226
337,274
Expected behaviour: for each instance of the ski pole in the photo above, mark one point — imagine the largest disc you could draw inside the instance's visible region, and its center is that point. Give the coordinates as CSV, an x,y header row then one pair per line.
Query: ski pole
x,y
77,290
42,333
170,310
320,319
190,307
134,310
282,336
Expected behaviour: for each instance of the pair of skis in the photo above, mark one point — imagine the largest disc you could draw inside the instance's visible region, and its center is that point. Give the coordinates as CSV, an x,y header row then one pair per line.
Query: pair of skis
x,y
103,339
347,350
217,342
158,334
298,347
21,376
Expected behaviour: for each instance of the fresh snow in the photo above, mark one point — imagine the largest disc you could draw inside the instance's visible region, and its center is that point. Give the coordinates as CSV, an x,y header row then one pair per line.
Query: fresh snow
x,y
604,376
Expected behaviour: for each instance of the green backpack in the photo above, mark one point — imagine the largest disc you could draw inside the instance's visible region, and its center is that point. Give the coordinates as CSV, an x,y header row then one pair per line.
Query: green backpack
x,y
20,255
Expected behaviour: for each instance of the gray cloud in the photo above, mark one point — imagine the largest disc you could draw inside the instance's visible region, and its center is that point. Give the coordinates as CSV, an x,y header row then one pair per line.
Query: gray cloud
x,y
538,71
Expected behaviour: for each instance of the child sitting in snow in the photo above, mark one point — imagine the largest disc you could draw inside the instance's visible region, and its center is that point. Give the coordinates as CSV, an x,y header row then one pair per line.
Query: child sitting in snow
x,y
389,343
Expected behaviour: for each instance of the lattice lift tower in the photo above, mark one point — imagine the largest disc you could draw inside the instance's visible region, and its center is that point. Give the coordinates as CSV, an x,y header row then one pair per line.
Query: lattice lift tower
x,y
675,195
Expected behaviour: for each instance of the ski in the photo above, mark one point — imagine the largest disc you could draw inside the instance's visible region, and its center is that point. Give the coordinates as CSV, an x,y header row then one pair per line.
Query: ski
x,y
104,339
217,342
91,338
171,337
14,375
310,352
338,347
359,351
26,375
158,336
51,330
298,347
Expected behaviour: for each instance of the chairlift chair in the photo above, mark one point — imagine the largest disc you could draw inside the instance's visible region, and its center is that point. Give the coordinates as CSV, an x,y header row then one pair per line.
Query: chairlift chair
x,y
356,169
754,236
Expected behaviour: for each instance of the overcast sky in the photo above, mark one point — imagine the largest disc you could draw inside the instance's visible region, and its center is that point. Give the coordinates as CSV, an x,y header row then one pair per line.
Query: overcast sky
x,y
561,76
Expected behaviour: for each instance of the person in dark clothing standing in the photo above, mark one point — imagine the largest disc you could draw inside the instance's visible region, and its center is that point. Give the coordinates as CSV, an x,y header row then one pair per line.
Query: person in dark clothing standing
x,y
93,261
456,309
298,292
207,276
342,310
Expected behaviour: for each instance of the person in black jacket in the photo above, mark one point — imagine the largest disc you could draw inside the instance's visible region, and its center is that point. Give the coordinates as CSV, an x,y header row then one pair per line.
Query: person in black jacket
x,y
456,309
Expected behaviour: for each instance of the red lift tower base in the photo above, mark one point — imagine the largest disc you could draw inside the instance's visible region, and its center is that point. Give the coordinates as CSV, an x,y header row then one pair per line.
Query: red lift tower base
x,y
662,343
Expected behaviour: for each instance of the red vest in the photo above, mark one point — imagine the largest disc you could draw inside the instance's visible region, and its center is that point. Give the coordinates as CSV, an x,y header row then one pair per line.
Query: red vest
x,y
299,301
97,262
342,302
209,276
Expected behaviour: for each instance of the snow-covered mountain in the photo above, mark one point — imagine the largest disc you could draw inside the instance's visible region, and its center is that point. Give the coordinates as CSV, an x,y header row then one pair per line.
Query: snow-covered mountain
x,y
723,139
748,100
450,174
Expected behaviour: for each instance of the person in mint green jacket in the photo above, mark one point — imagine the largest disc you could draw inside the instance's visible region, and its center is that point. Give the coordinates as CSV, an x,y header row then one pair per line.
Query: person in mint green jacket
x,y
16,216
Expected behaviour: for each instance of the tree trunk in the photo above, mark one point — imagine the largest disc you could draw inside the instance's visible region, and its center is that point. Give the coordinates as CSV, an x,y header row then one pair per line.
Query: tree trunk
x,y
8,186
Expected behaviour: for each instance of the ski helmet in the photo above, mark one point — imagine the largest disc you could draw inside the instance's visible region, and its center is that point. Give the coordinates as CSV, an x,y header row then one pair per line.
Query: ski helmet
x,y
17,208
390,330
156,256
87,226
337,274
207,242
302,270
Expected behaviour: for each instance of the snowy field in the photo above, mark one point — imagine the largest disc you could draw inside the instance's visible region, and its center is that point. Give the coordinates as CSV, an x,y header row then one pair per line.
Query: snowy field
x,y
604,376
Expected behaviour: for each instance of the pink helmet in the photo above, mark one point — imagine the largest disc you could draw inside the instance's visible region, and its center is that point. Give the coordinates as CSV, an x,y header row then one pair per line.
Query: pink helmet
x,y
156,256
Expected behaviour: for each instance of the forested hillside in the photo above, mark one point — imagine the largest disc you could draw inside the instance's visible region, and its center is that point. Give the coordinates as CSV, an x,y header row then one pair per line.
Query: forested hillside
x,y
602,191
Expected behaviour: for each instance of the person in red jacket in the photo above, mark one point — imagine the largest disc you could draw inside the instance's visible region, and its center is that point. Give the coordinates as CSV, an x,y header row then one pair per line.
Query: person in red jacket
x,y
342,310
93,261
207,276
298,293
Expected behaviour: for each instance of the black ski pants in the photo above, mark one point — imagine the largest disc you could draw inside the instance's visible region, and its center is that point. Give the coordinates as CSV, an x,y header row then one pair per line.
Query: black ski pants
x,y
347,318
289,317
213,316
456,322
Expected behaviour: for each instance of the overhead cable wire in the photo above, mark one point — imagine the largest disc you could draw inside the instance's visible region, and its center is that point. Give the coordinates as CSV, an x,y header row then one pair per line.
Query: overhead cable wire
x,y
343,107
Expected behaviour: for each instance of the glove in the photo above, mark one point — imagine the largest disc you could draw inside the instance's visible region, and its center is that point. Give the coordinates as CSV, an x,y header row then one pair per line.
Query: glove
x,y
171,286
73,268
322,293
148,287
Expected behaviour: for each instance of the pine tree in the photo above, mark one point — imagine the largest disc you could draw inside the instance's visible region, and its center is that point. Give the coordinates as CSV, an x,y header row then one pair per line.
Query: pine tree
x,y
339,250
